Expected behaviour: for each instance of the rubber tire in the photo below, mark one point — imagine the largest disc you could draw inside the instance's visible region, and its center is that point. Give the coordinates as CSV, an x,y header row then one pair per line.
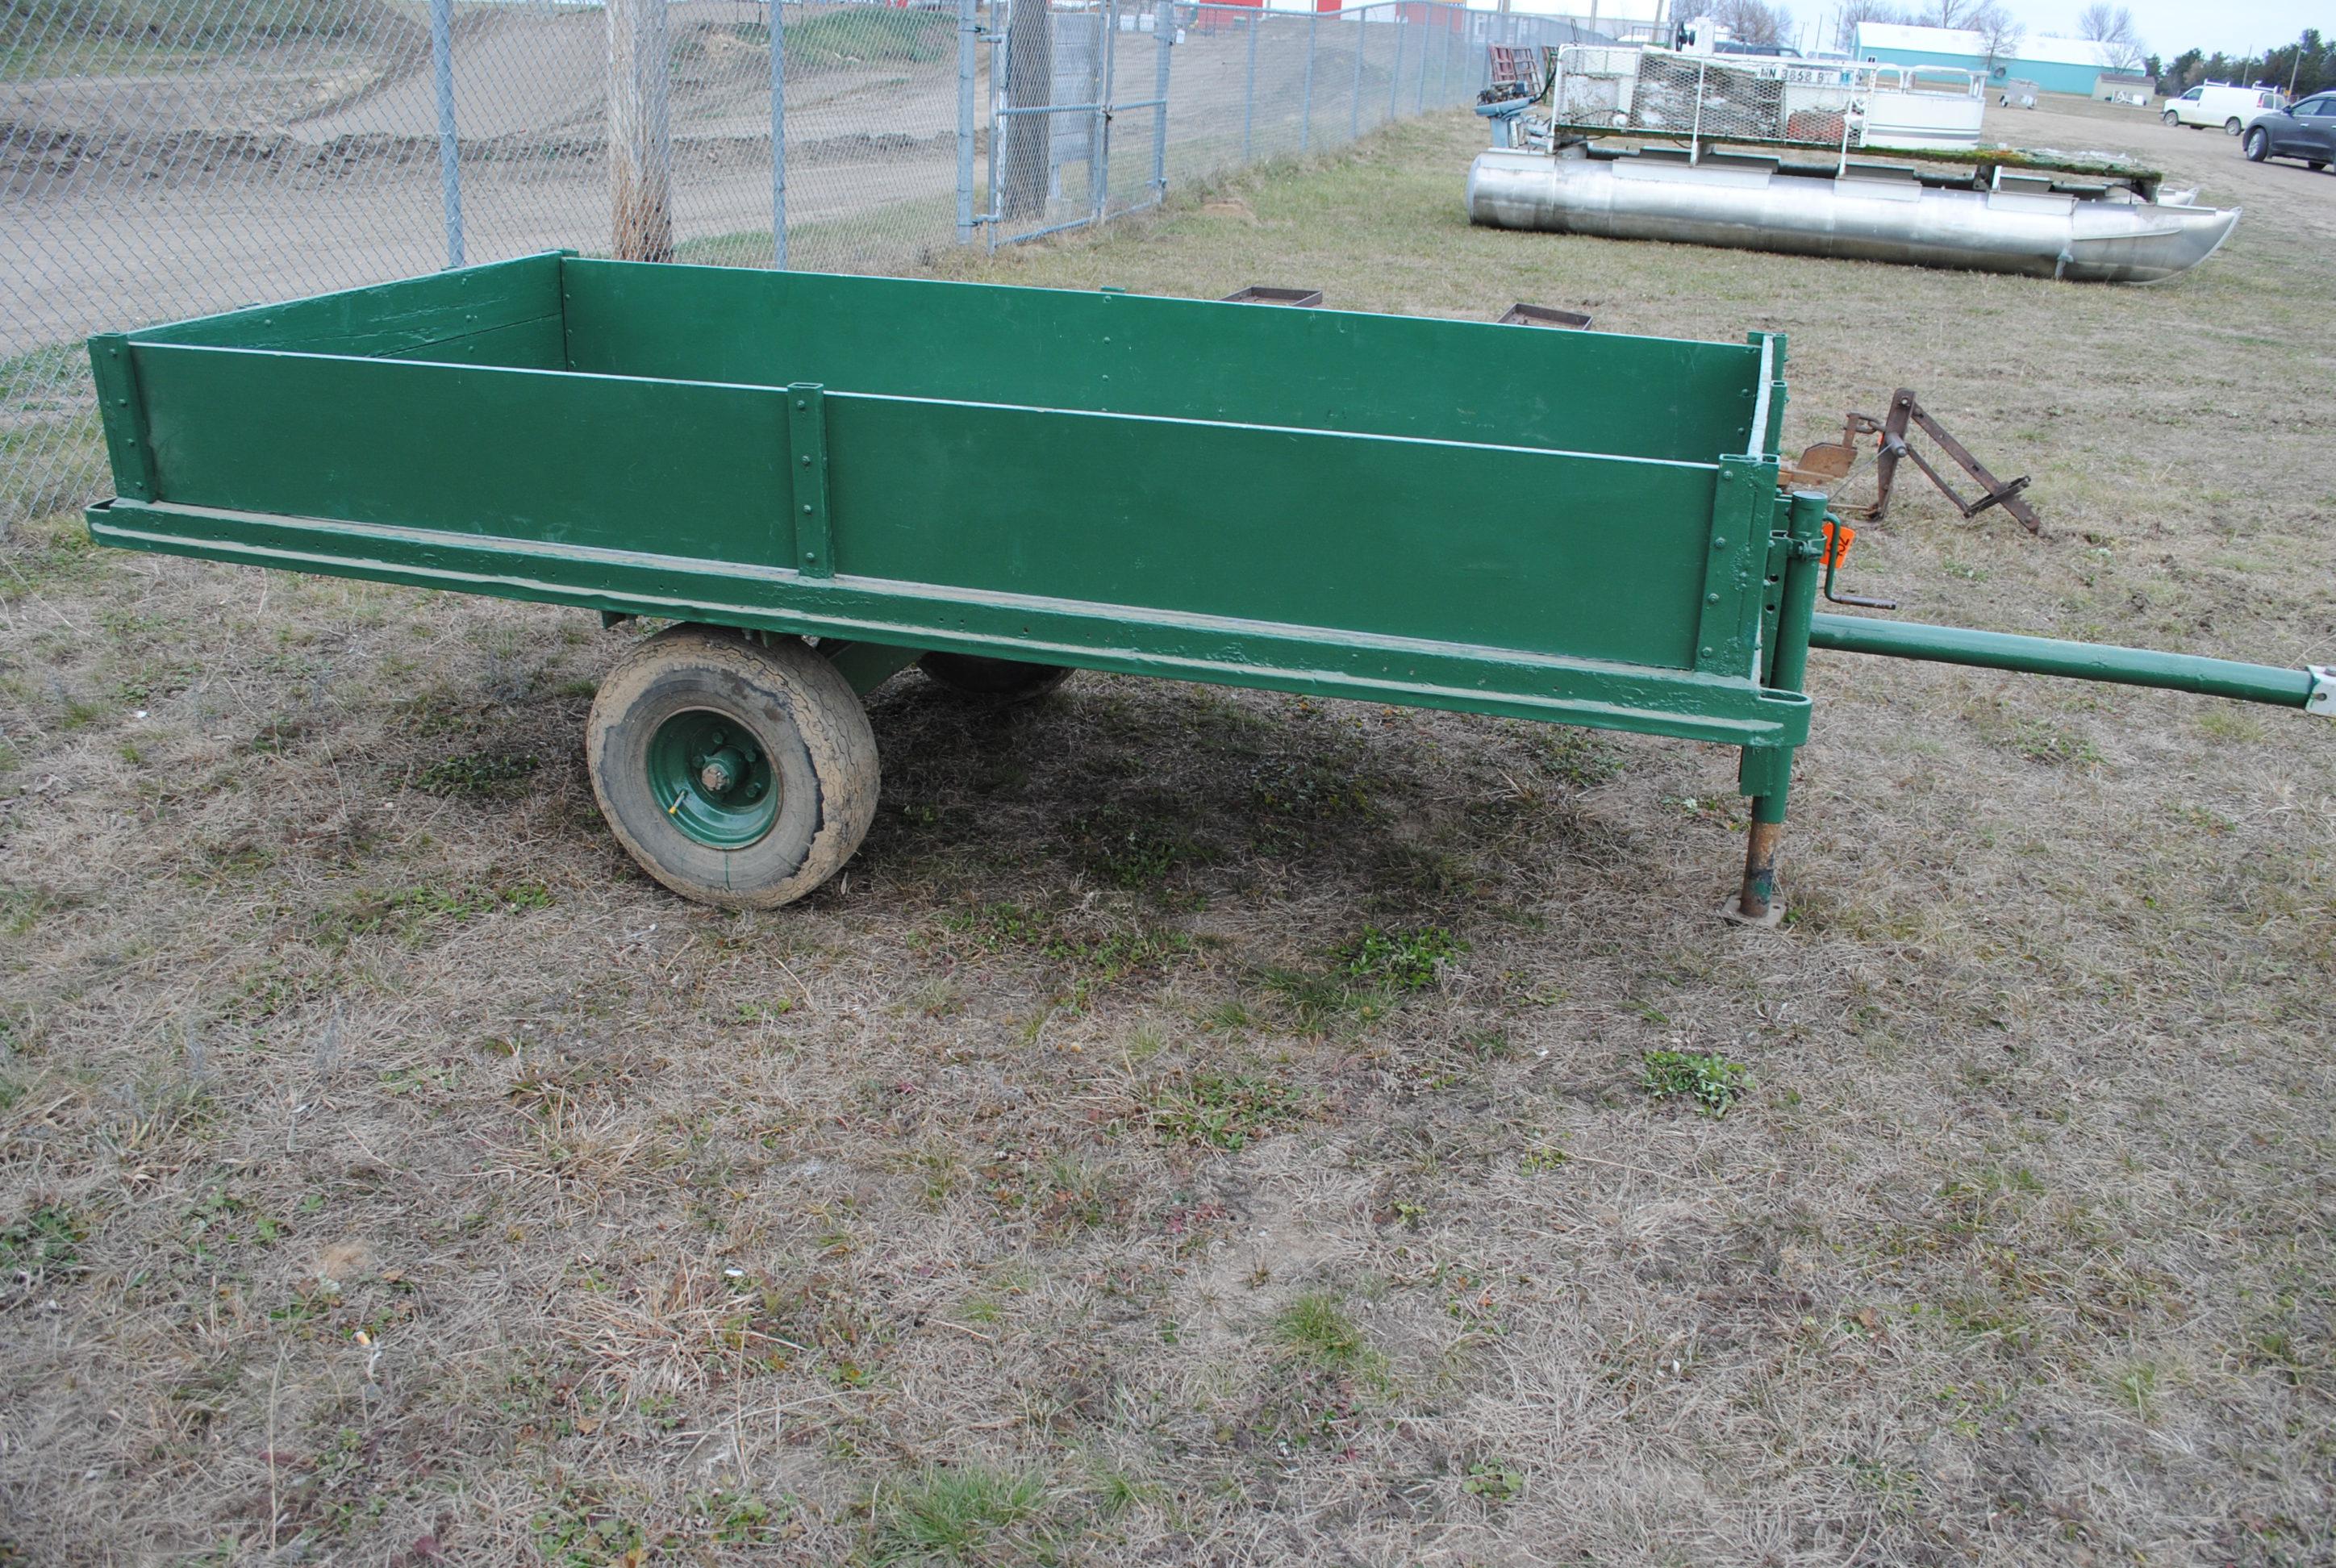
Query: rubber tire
x,y
2231,127
809,723
1002,680
2170,118
2257,146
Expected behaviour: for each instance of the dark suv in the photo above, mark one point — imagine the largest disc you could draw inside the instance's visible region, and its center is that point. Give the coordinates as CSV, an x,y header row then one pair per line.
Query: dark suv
x,y
2307,132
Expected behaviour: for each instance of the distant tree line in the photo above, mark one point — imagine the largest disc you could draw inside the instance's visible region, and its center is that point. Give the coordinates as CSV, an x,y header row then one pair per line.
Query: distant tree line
x,y
2304,66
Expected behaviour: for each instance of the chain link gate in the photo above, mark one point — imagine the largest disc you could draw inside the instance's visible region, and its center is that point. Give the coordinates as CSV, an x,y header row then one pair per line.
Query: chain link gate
x,y
1062,78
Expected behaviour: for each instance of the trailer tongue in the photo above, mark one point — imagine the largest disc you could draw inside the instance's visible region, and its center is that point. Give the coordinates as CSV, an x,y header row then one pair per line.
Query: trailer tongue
x,y
824,478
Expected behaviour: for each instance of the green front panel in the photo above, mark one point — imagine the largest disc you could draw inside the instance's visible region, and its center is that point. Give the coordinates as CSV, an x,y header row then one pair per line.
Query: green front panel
x,y
669,466
1599,558
1180,358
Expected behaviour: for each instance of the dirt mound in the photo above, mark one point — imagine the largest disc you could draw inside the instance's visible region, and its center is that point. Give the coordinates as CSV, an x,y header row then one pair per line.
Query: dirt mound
x,y
513,74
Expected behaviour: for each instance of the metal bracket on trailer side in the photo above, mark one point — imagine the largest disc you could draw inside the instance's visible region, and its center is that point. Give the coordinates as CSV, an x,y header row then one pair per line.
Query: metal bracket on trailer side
x,y
2323,700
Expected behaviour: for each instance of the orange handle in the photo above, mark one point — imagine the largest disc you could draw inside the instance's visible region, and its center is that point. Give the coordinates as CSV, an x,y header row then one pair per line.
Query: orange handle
x,y
1838,537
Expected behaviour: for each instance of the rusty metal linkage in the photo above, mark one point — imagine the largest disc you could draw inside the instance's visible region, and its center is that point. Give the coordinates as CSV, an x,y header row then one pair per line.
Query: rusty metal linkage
x,y
1904,410
1825,465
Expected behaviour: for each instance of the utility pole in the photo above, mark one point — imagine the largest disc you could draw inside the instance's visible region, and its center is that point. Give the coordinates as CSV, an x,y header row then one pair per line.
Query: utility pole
x,y
1029,90
641,135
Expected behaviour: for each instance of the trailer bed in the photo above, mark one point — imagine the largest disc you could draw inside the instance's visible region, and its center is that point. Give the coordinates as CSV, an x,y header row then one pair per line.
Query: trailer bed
x,y
1311,501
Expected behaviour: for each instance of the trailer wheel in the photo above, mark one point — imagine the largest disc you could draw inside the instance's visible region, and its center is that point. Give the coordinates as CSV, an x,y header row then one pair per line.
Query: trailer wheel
x,y
1005,680
738,773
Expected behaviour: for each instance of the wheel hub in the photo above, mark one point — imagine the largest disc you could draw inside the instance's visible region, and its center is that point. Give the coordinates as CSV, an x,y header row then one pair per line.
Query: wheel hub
x,y
712,779
720,772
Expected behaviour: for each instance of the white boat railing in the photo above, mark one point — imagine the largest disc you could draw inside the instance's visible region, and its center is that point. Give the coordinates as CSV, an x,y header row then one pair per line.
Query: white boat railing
x,y
1782,101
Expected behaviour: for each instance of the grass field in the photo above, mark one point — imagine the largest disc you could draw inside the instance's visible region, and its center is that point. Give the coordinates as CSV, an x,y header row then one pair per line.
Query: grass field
x,y
1208,1127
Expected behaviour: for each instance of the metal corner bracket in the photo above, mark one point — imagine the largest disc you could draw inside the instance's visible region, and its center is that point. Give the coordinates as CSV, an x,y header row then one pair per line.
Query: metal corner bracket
x,y
2323,700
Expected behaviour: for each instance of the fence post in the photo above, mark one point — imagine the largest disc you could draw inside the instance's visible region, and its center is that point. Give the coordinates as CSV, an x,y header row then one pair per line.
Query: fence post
x,y
1355,99
1445,52
1695,137
1395,79
778,139
1164,31
1419,99
1248,86
1099,124
1442,38
993,40
1306,115
641,137
968,27
450,168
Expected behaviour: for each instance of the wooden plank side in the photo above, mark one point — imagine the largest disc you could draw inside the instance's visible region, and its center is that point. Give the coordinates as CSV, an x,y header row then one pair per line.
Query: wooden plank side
x,y
1587,557
688,468
455,307
1180,358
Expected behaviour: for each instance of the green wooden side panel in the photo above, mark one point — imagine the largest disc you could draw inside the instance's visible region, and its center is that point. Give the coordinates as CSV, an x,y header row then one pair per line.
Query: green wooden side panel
x,y
1369,534
688,468
1181,358
505,313
1599,558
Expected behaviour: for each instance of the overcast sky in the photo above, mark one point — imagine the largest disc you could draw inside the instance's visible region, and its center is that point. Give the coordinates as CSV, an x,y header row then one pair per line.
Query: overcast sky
x,y
2169,26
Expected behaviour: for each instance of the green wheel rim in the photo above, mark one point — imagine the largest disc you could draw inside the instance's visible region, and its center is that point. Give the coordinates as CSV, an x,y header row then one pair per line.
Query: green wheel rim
x,y
712,779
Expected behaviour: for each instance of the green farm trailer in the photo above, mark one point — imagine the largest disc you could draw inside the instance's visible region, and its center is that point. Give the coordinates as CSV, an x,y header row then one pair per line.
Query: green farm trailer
x,y
824,479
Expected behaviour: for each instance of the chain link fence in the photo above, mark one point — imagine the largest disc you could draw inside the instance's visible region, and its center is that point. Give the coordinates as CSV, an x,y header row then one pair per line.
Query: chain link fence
x,y
161,159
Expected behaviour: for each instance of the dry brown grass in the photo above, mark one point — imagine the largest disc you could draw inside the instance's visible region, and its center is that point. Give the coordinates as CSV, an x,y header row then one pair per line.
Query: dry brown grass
x,y
389,1174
